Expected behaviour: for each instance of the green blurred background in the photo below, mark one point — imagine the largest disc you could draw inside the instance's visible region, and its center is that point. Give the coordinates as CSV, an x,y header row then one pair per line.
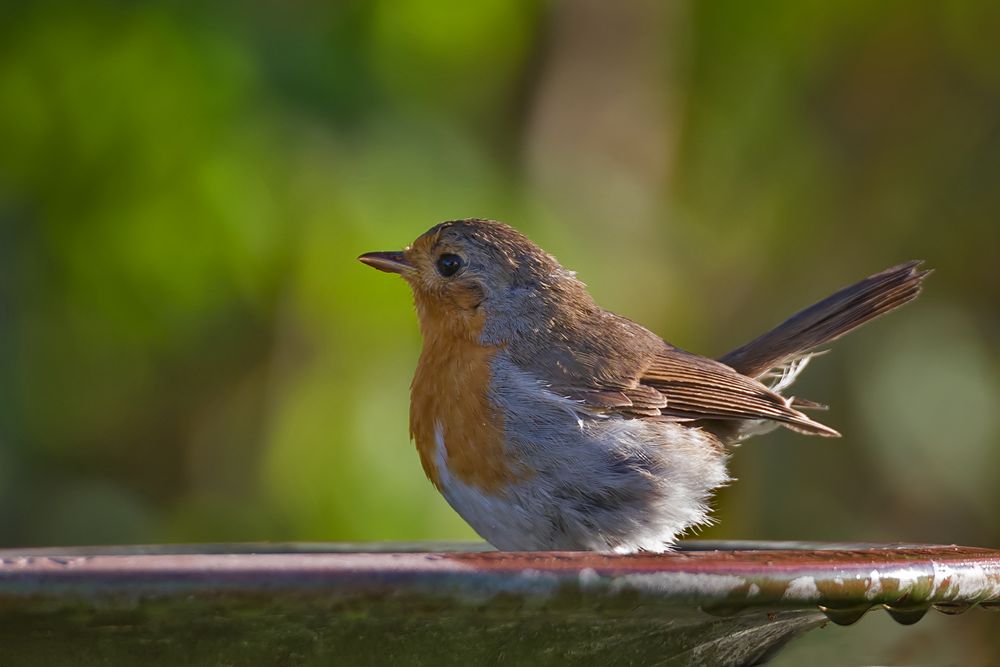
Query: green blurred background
x,y
190,352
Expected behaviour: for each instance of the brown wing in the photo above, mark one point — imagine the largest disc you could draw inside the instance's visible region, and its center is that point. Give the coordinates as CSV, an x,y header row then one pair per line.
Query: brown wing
x,y
699,388
681,386
639,401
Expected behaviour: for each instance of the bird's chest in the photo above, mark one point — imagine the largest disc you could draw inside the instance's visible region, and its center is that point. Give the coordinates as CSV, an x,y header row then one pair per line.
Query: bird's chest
x,y
458,432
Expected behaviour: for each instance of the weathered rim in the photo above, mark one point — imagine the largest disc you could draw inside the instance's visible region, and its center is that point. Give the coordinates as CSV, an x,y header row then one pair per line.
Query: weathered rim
x,y
842,581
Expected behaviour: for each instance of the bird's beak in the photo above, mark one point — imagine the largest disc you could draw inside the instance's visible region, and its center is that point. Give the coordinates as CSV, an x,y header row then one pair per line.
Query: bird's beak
x,y
390,262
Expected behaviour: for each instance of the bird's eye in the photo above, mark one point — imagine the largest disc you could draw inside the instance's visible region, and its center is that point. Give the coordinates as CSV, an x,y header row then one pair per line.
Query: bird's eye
x,y
448,264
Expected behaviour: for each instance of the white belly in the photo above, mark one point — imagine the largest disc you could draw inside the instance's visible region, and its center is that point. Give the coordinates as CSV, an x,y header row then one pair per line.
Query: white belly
x,y
501,519
597,483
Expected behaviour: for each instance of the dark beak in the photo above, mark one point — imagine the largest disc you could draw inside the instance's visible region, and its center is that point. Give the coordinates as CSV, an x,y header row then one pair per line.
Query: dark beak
x,y
390,262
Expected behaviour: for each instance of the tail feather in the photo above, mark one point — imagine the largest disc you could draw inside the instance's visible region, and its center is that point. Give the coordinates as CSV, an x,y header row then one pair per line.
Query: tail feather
x,y
828,320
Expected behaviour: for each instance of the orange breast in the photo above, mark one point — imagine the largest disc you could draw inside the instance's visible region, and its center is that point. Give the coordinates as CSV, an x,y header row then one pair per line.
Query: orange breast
x,y
451,392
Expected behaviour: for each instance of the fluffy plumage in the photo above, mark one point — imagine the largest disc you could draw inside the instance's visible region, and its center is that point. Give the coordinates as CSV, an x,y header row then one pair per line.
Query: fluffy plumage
x,y
550,423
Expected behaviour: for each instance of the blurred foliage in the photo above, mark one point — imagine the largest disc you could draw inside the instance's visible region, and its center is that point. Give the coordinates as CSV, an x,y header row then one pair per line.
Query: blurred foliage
x,y
189,351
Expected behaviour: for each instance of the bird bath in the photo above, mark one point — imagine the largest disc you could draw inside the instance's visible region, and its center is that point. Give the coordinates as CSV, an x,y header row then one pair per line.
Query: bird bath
x,y
733,603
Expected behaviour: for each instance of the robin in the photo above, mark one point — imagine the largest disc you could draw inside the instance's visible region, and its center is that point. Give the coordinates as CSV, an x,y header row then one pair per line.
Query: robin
x,y
550,423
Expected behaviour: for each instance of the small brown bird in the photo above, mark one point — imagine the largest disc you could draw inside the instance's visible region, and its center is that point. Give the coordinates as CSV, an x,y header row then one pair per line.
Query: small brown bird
x,y
550,423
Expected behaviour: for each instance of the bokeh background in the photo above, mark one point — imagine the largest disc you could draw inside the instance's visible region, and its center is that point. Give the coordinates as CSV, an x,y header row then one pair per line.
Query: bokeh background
x,y
190,352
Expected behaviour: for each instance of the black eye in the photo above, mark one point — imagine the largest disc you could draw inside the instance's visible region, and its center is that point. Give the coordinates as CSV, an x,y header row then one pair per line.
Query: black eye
x,y
448,264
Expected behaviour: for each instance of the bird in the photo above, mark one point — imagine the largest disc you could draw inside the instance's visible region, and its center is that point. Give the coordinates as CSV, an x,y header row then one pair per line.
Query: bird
x,y
551,424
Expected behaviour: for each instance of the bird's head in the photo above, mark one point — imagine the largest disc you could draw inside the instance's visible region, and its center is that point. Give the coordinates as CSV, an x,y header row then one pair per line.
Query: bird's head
x,y
479,279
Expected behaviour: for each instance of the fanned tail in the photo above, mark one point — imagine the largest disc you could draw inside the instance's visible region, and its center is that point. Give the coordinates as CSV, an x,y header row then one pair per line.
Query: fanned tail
x,y
794,340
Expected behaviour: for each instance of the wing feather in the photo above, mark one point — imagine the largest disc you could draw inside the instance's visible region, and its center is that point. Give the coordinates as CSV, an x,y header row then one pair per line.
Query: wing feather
x,y
703,388
680,386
